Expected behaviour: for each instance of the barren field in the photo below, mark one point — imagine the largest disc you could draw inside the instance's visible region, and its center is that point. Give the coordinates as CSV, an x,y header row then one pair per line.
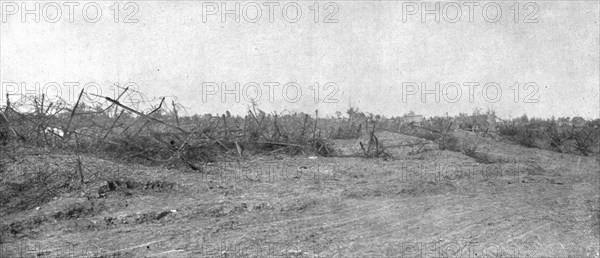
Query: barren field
x,y
520,202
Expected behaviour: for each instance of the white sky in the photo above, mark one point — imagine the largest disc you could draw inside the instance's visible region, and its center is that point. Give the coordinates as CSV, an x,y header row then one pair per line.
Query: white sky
x,y
368,54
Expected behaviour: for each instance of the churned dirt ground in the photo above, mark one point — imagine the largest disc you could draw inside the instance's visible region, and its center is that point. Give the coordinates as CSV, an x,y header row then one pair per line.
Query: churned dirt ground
x,y
520,202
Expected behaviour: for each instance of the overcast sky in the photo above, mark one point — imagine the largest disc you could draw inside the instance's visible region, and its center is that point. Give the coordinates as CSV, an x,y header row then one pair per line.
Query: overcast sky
x,y
367,56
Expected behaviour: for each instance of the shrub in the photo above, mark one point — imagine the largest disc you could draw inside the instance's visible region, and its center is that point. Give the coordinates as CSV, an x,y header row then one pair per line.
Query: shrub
x,y
525,138
508,130
448,142
585,141
346,132
428,135
471,151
